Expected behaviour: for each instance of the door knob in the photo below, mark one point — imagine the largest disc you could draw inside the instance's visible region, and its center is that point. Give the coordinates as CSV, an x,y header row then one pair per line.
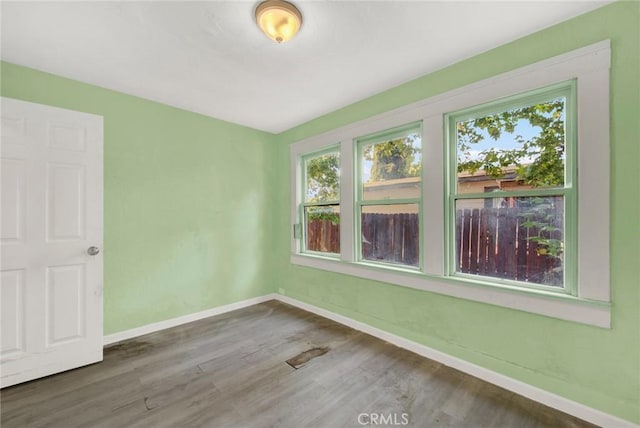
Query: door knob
x,y
92,251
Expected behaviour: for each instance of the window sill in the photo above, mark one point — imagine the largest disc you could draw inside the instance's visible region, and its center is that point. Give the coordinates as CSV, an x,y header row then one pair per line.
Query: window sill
x,y
321,256
542,302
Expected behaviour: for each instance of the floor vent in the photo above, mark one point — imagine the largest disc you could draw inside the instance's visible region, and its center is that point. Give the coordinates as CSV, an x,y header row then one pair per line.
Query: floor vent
x,y
302,358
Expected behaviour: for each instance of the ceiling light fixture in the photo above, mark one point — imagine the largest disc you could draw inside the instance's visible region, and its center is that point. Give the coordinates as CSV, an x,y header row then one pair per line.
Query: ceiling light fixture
x,y
278,19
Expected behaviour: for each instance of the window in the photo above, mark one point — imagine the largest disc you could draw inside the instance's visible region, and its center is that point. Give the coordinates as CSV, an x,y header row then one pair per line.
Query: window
x,y
521,232
389,195
474,193
321,207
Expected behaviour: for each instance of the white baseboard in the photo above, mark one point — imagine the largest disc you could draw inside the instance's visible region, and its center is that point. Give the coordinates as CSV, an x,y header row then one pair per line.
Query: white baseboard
x,y
162,325
545,397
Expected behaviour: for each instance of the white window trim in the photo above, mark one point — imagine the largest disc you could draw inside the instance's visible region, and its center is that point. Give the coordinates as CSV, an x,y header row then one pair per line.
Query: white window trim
x,y
590,67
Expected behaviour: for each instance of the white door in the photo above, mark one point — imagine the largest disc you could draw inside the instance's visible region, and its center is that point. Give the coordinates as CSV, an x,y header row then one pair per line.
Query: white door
x,y
51,286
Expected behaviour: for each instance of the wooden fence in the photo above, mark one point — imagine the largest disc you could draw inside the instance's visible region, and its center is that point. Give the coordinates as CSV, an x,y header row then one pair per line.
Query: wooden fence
x,y
391,238
387,237
491,241
322,235
496,242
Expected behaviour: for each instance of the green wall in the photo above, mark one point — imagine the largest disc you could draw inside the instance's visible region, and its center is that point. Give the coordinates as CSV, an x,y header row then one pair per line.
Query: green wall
x,y
184,201
197,216
597,367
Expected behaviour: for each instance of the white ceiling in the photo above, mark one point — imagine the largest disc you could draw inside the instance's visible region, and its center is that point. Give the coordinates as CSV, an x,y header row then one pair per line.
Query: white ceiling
x,y
210,58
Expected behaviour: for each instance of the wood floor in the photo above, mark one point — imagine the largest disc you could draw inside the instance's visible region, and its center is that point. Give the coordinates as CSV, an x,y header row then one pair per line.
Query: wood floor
x,y
232,371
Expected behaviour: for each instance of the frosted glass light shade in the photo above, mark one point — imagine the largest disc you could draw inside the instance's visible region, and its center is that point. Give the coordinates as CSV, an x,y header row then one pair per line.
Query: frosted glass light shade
x,y
279,20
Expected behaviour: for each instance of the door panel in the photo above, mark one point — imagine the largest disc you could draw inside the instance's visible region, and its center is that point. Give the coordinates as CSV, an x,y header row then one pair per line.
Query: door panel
x,y
63,136
12,295
65,304
51,213
13,127
13,193
65,202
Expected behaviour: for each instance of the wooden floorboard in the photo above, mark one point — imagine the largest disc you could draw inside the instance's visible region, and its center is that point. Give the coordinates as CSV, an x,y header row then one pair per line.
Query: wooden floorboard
x,y
231,371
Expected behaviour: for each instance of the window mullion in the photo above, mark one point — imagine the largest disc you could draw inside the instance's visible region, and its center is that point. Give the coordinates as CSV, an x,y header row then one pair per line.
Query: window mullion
x,y
320,204
513,193
347,224
389,202
433,201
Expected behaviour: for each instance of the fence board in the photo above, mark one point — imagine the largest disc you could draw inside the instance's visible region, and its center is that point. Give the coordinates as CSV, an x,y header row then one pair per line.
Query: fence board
x,y
501,237
521,256
458,241
474,237
482,250
492,228
396,243
466,241
412,239
510,238
532,255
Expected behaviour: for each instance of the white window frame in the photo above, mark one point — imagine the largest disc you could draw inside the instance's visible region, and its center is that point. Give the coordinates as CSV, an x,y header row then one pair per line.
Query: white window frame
x,y
303,186
589,66
361,202
567,191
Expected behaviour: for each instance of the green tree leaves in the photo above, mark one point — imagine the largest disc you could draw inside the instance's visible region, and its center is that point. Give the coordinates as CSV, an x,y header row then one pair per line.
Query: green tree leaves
x,y
323,178
539,160
393,159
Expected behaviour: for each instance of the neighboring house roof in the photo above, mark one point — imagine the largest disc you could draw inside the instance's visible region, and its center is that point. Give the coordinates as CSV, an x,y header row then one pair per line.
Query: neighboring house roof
x,y
510,174
396,182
